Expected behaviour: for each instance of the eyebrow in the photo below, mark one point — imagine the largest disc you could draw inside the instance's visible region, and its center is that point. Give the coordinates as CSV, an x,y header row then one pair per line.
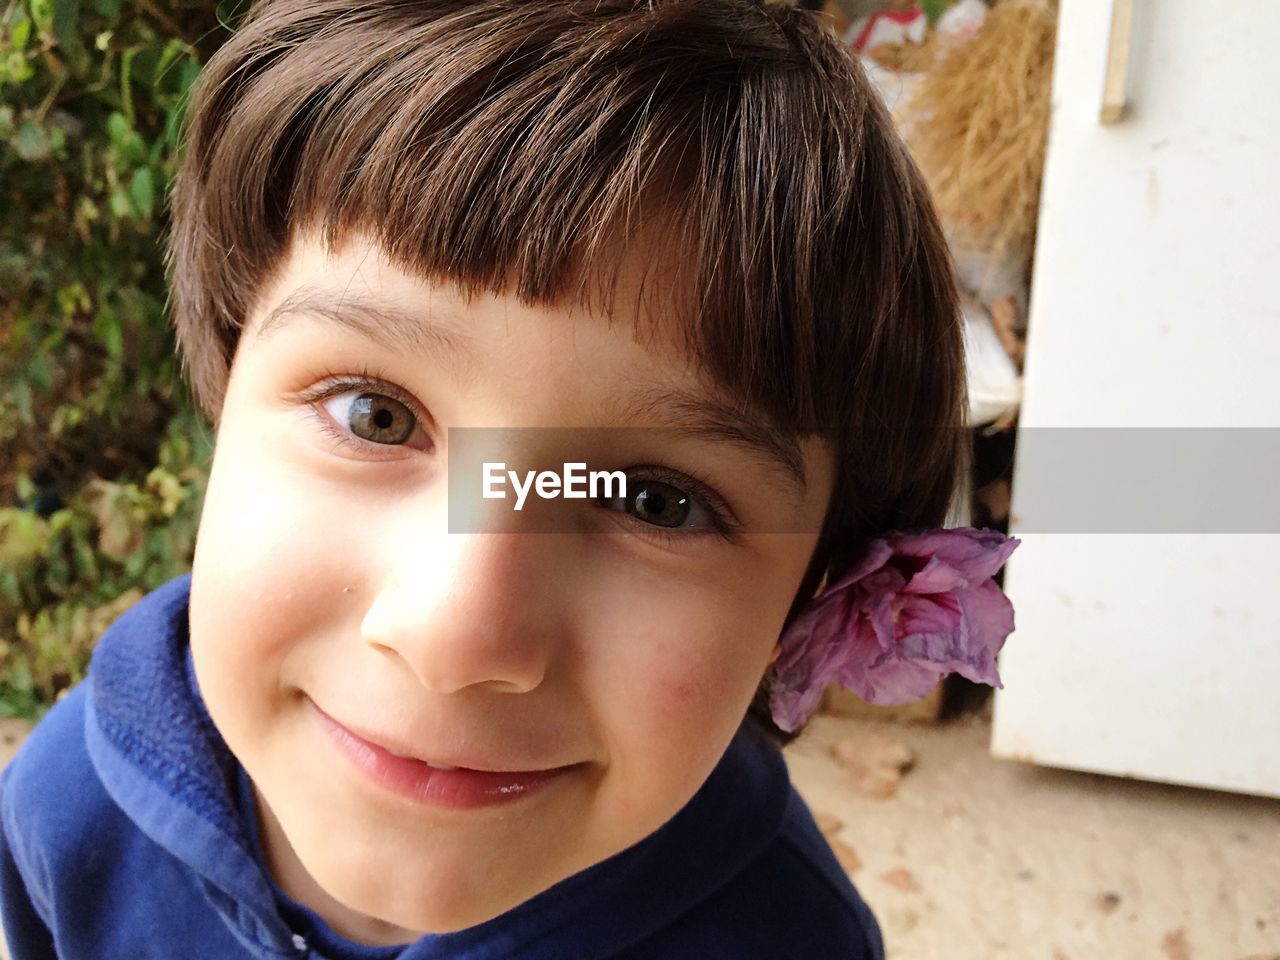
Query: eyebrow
x,y
391,325
400,329
707,417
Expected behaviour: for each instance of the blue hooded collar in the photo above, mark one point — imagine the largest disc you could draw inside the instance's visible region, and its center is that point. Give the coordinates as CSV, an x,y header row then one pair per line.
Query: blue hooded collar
x,y
159,756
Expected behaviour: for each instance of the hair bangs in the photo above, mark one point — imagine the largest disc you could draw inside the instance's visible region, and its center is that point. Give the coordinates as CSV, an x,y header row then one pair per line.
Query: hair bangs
x,y
534,159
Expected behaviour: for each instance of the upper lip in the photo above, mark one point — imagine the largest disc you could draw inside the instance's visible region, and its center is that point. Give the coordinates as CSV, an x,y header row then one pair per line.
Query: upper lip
x,y
444,758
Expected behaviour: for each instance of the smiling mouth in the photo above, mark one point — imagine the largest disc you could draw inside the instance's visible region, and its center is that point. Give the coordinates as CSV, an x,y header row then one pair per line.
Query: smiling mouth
x,y
433,783
433,766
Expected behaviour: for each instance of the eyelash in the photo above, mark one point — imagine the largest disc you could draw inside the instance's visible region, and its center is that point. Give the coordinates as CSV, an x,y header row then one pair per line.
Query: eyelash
x,y
366,379
724,523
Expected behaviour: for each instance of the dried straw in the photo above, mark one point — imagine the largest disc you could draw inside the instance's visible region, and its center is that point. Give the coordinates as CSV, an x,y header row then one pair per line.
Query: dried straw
x,y
981,118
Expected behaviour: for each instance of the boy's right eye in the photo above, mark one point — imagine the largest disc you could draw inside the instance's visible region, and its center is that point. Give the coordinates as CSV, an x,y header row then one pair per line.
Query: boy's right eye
x,y
373,417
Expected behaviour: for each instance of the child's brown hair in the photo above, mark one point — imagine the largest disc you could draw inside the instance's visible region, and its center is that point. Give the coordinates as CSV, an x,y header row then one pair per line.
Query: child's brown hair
x,y
507,144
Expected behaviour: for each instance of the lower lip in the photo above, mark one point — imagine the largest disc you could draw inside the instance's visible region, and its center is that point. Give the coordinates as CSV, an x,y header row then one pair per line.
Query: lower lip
x,y
459,789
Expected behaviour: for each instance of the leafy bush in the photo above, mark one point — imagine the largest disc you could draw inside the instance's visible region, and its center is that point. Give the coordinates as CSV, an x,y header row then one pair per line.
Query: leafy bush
x,y
103,458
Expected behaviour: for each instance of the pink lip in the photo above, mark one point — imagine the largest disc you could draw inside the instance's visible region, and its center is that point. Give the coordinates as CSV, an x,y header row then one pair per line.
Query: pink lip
x,y
460,788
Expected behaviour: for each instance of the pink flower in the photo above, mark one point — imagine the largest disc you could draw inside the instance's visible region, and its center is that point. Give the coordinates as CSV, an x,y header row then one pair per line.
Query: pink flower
x,y
918,607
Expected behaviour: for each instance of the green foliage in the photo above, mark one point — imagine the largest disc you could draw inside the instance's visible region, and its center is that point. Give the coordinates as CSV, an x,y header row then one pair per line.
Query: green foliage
x,y
102,458
933,9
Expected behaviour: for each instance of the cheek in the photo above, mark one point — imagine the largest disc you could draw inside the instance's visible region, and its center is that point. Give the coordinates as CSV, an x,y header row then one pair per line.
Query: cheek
x,y
682,658
256,568
682,689
681,674
694,683
274,562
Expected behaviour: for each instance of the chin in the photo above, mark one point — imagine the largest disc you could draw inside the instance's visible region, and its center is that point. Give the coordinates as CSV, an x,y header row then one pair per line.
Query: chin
x,y
443,900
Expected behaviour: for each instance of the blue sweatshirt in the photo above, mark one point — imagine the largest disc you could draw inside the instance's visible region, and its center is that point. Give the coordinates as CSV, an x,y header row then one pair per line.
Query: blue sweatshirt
x,y
129,832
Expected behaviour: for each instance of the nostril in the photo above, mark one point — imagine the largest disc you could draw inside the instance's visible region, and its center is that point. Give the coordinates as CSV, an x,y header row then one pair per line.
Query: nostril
x,y
512,686
452,635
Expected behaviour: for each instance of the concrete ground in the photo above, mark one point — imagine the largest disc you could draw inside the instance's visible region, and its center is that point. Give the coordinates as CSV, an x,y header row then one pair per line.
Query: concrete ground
x,y
973,858
964,857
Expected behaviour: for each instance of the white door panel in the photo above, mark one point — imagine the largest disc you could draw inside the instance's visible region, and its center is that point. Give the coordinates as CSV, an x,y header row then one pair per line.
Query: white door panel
x,y
1155,303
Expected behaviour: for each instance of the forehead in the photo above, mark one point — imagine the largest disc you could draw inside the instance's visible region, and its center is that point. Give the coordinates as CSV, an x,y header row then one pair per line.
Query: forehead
x,y
641,290
625,324
628,339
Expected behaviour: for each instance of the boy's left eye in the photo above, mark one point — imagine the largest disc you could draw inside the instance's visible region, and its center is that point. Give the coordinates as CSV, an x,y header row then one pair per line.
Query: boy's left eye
x,y
660,504
664,501
373,417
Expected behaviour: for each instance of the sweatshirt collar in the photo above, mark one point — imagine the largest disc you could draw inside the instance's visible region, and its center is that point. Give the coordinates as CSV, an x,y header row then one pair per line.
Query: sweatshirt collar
x,y
160,757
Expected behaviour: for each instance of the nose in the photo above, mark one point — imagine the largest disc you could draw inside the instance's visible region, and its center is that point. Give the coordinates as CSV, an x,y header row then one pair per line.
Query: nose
x,y
470,610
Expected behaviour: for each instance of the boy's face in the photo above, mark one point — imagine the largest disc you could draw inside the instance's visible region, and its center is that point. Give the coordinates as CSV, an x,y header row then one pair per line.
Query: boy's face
x,y
620,651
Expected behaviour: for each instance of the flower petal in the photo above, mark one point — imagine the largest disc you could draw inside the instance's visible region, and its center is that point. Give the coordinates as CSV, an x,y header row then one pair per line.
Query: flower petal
x,y
896,681
791,707
889,636
937,576
974,554
876,556
989,617
936,613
